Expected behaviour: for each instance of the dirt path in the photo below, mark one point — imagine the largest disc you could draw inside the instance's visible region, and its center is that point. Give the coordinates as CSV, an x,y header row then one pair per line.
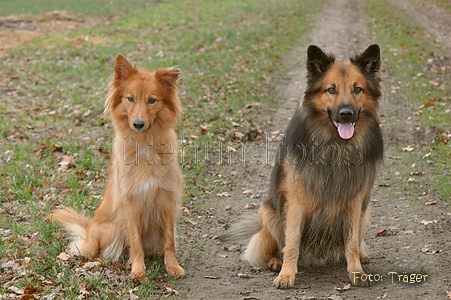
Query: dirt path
x,y
215,270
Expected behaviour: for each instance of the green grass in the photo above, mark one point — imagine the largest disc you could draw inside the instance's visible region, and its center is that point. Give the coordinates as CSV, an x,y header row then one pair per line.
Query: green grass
x,y
416,61
443,3
55,142
86,7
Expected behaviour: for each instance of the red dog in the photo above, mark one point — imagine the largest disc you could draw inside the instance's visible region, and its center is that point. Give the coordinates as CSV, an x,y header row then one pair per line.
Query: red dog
x,y
143,191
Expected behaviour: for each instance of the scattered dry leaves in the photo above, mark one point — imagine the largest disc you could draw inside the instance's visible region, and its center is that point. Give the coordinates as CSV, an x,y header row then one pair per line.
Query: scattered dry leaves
x,y
224,194
427,250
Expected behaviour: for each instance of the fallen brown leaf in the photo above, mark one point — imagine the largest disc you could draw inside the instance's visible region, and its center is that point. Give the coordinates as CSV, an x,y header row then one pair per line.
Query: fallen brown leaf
x,y
32,290
381,233
418,173
249,192
204,129
250,206
63,256
429,101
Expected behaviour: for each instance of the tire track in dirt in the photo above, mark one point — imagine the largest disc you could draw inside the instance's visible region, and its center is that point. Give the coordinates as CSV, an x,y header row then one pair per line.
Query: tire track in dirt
x,y
216,271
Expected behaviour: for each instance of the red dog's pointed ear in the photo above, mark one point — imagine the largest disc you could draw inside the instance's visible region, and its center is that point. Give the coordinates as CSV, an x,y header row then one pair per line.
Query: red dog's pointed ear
x,y
167,76
122,69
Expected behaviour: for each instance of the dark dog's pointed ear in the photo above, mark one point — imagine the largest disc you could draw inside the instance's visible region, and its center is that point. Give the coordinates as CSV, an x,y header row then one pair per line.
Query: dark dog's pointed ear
x,y
318,61
123,69
370,60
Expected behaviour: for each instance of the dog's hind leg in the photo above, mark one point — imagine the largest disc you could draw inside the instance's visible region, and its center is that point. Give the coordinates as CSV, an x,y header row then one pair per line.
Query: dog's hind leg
x,y
262,250
263,246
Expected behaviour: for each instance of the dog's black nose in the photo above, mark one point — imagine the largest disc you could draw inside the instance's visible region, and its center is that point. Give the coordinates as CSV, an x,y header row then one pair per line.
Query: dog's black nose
x,y
346,112
138,124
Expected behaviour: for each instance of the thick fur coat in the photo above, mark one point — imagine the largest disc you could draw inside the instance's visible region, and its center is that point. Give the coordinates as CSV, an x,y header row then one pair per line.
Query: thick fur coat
x,y
144,185
317,207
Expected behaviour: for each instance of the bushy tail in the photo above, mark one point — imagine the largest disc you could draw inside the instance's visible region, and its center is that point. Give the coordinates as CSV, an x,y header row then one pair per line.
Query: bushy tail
x,y
262,238
77,225
242,231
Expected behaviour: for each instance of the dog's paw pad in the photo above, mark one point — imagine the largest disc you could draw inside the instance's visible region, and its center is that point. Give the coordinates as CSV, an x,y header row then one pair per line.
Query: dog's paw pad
x,y
175,271
284,281
138,278
359,279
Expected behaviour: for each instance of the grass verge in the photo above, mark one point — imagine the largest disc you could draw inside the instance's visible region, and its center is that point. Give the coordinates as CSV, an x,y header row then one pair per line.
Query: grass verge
x,y
443,3
424,70
86,7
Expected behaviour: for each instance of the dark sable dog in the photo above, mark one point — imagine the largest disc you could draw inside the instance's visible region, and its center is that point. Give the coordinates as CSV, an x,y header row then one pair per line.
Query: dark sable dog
x,y
317,207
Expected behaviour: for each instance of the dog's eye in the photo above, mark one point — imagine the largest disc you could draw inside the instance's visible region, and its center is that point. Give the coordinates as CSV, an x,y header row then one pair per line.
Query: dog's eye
x,y
151,100
331,91
130,99
357,90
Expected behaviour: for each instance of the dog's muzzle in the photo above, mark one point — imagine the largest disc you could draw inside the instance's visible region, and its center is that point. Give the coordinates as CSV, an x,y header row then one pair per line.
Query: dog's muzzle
x,y
344,120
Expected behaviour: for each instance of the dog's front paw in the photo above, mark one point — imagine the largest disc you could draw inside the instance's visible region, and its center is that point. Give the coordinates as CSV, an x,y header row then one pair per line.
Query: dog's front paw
x,y
175,271
138,277
359,278
284,281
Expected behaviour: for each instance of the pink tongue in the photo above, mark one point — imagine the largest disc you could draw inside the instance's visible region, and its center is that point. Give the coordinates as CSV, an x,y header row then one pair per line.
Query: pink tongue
x,y
345,130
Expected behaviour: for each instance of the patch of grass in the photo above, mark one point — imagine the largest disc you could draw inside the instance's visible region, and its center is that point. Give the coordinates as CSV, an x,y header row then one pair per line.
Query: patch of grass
x,y
86,7
55,142
419,63
443,3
